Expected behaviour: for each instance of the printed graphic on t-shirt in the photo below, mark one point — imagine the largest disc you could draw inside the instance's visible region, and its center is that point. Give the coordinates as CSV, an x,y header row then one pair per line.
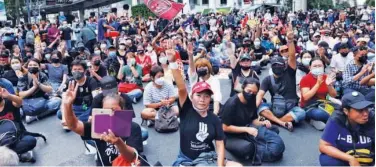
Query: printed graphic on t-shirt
x,y
201,136
349,139
110,151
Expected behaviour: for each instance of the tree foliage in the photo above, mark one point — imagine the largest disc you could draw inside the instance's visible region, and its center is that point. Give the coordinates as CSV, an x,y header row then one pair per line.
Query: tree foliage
x,y
141,10
370,3
320,4
11,8
343,5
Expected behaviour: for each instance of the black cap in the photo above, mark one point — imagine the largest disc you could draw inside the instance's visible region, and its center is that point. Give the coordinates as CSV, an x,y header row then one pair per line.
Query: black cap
x,y
323,44
277,60
355,100
343,46
357,48
108,85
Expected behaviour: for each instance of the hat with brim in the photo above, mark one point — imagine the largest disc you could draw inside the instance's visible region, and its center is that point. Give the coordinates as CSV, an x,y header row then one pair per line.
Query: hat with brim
x,y
361,40
245,57
277,60
355,100
201,87
108,85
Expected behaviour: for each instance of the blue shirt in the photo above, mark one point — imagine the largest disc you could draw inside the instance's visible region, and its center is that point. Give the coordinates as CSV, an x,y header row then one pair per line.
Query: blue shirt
x,y
340,137
7,85
101,29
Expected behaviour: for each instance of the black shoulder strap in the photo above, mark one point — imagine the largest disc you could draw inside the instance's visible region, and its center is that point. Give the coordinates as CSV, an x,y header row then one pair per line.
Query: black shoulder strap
x,y
275,87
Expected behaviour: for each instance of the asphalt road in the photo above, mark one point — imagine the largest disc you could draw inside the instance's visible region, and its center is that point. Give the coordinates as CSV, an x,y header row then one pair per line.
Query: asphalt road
x,y
67,149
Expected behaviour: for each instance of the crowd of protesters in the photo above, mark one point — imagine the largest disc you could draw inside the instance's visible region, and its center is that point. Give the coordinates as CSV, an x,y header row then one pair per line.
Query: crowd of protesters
x,y
319,68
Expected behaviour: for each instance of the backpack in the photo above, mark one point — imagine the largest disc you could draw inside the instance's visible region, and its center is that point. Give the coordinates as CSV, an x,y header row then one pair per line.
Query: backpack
x,y
166,120
11,132
30,37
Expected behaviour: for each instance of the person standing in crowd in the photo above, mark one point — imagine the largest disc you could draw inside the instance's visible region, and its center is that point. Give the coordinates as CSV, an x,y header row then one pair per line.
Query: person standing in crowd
x,y
53,33
348,130
104,26
88,37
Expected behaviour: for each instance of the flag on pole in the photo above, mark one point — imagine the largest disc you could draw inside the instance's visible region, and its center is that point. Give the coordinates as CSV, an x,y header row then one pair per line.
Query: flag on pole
x,y
165,9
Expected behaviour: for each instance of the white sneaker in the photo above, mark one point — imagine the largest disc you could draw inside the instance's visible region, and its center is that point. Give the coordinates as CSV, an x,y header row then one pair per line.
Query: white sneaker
x,y
92,149
27,157
29,119
319,125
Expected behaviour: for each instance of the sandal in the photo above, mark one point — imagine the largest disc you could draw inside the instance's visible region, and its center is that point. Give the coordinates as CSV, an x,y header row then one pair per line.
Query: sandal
x,y
288,126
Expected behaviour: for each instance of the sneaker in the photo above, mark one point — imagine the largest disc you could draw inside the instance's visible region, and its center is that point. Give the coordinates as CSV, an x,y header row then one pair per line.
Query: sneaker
x,y
150,123
27,157
90,149
29,119
319,125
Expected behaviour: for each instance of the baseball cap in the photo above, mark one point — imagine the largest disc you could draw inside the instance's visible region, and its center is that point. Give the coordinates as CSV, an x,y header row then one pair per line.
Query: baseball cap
x,y
362,40
200,87
316,34
355,100
245,56
277,60
108,85
323,44
343,46
246,39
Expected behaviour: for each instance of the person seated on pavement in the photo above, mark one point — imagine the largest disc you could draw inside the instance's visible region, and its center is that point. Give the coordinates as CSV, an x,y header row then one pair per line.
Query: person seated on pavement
x,y
33,87
315,86
131,73
145,62
241,69
109,86
339,61
107,152
97,69
86,91
359,75
6,70
281,86
303,66
10,105
158,94
162,59
240,119
198,127
8,157
348,130
261,55
57,72
201,70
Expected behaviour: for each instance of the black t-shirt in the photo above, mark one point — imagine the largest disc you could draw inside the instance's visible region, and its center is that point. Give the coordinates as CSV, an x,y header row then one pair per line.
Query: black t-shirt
x,y
237,113
287,84
98,101
66,35
10,75
84,96
26,82
238,79
107,151
10,112
197,133
102,72
259,52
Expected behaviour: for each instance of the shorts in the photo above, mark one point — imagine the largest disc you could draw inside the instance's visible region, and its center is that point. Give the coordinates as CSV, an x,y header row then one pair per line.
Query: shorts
x,y
297,113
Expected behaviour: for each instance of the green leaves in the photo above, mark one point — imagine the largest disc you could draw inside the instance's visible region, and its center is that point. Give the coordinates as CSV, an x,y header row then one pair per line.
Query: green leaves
x,y
141,10
320,4
370,3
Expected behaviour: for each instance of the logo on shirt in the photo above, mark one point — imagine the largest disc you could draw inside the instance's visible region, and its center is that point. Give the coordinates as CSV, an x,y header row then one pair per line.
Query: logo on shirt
x,y
202,133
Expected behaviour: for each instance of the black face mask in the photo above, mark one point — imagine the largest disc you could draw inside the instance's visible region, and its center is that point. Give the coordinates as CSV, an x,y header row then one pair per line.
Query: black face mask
x,y
245,68
344,54
55,60
33,70
202,72
363,59
278,70
97,62
77,75
250,97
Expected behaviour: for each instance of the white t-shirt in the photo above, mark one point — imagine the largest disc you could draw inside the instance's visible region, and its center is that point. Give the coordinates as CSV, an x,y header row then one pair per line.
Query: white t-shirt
x,y
311,46
212,81
338,62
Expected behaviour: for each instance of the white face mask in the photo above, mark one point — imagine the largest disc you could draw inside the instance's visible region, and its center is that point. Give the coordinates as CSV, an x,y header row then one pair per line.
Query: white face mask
x,y
159,81
149,48
103,46
97,52
306,61
121,47
257,44
16,67
344,40
47,56
163,60
317,71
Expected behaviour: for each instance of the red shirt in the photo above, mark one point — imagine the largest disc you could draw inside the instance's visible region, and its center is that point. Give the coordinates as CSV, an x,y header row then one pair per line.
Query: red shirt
x,y
309,81
145,63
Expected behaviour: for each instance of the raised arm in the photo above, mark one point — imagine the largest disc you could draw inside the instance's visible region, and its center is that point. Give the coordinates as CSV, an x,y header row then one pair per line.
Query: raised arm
x,y
291,45
182,90
192,68
73,123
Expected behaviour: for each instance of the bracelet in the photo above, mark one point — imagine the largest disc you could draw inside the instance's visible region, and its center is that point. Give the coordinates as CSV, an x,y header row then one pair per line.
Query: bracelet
x,y
173,66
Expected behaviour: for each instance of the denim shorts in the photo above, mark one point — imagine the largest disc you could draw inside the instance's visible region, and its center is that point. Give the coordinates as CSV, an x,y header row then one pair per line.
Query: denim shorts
x,y
297,113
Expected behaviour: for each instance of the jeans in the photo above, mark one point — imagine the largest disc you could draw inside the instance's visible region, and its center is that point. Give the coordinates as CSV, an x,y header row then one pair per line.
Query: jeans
x,y
69,44
21,43
181,158
26,144
317,114
135,94
7,85
82,115
297,113
368,93
203,30
326,160
53,105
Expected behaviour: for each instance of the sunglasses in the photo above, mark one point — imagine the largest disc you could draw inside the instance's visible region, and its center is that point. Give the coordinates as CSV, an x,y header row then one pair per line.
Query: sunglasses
x,y
284,51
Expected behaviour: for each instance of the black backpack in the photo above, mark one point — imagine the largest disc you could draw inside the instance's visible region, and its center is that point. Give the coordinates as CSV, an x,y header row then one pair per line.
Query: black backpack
x,y
166,121
11,132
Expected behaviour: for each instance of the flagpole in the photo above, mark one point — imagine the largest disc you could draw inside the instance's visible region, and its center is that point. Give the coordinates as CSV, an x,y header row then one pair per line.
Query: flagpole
x,y
170,21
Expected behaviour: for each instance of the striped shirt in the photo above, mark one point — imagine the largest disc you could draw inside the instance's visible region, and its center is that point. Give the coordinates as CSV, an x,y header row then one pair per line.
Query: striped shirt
x,y
153,94
351,70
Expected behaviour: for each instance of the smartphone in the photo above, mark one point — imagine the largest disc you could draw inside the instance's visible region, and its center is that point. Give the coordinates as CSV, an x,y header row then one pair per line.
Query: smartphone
x,y
119,122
